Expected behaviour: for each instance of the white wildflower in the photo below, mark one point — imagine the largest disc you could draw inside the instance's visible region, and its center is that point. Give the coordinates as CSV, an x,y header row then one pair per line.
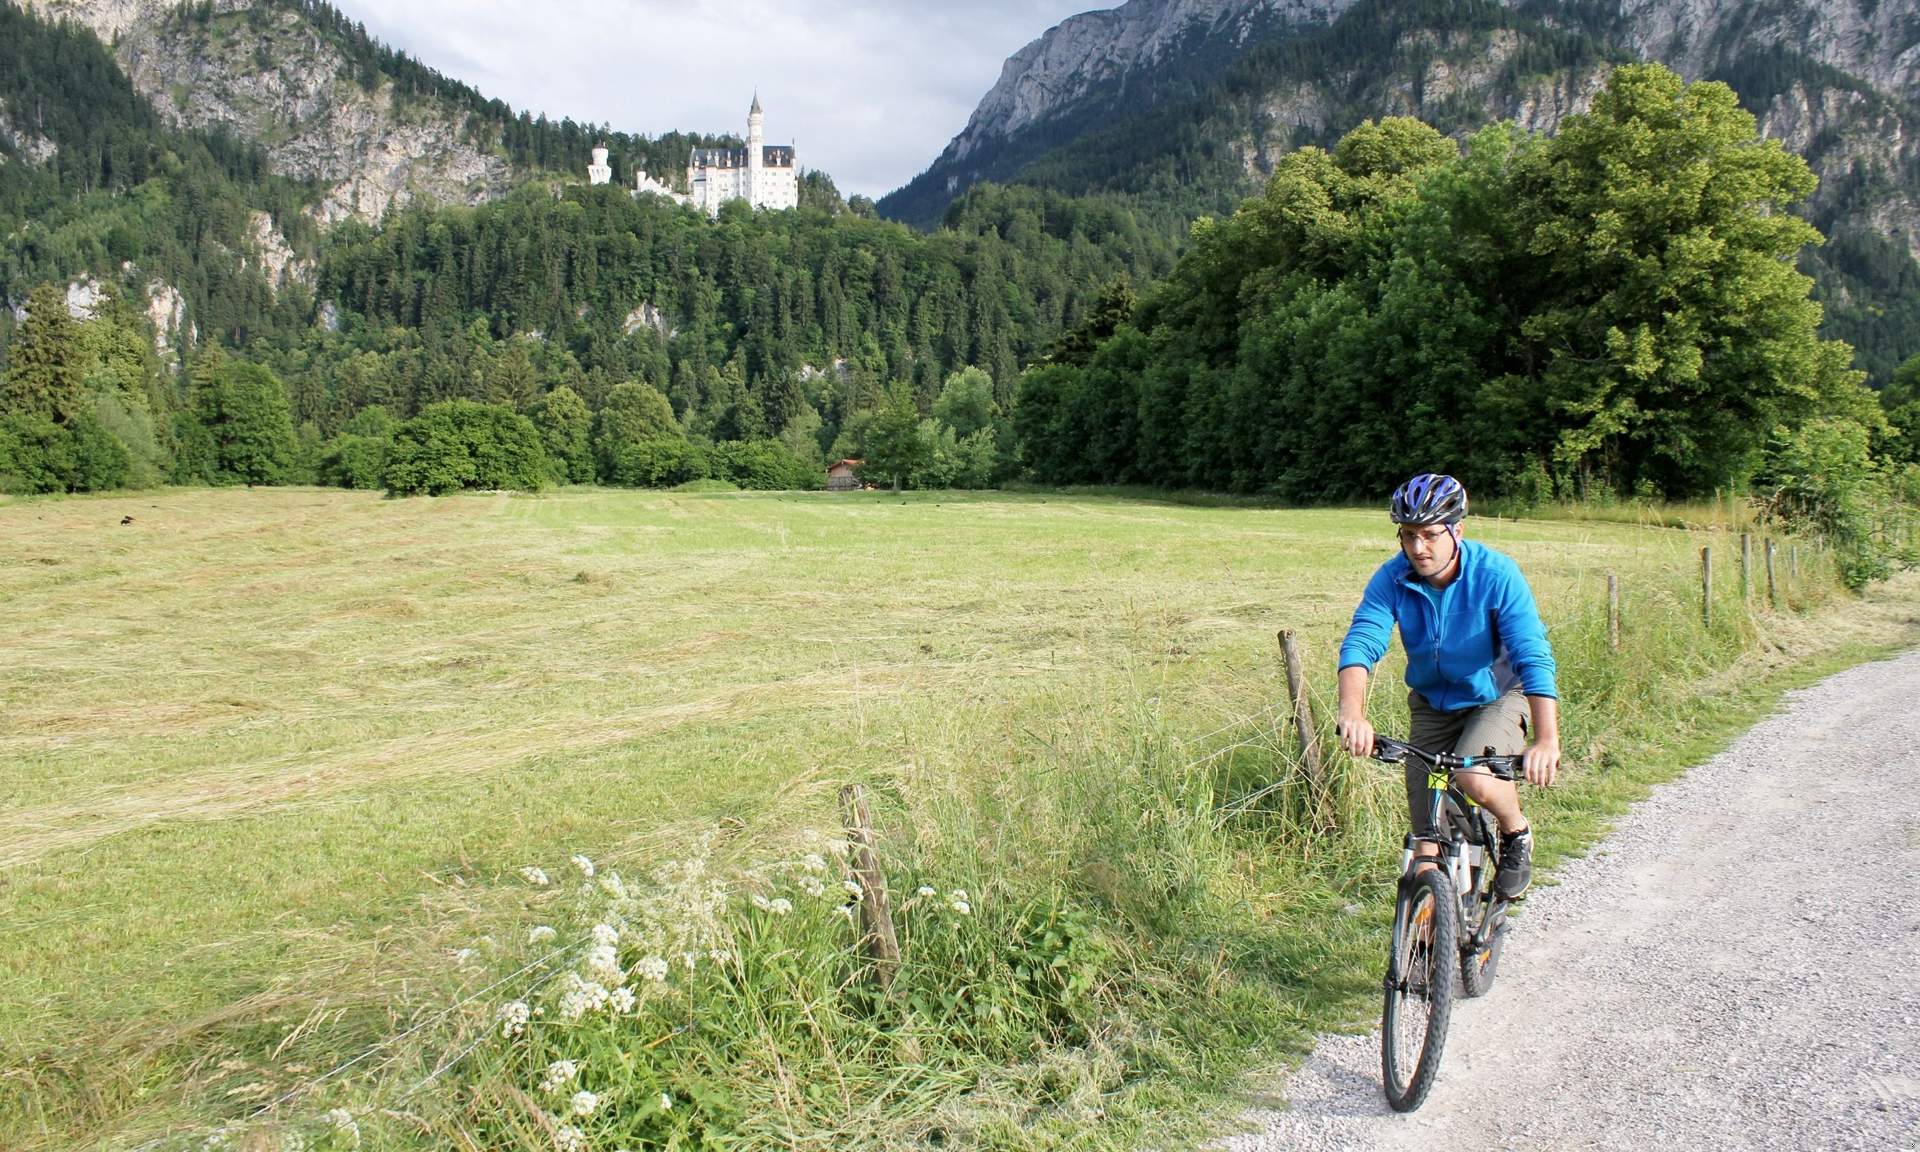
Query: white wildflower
x,y
719,955
462,955
612,885
513,1018
962,907
541,934
925,892
581,997
780,906
584,864
690,959
605,935
567,1138
959,894
761,902
603,964
846,910
666,1102
811,886
560,1073
584,1102
344,1126
652,968
622,1000
535,876
293,1142
852,887
814,862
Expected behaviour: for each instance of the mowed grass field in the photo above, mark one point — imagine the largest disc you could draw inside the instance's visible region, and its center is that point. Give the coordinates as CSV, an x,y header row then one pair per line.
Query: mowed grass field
x,y
266,756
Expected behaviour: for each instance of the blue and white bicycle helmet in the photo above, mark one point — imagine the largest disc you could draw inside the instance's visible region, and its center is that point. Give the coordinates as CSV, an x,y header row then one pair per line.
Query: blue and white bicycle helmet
x,y
1429,498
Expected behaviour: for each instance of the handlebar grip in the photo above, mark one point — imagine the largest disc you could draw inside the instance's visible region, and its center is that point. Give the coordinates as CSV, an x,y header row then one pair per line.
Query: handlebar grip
x,y
1499,767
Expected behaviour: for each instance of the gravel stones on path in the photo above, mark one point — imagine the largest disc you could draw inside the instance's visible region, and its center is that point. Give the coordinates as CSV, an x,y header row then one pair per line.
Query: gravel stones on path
x,y
1737,965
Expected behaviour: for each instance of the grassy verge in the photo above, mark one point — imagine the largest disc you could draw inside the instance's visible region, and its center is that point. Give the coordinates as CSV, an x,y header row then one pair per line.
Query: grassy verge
x,y
1099,938
278,766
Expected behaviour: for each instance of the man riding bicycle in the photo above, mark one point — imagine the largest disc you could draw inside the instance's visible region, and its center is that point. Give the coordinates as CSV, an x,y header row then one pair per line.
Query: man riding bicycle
x,y
1479,668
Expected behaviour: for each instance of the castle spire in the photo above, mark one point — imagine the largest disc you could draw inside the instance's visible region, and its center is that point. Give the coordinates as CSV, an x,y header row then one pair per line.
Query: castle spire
x,y
755,110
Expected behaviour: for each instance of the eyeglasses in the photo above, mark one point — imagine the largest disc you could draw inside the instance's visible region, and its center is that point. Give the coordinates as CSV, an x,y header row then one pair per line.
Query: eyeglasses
x,y
1431,533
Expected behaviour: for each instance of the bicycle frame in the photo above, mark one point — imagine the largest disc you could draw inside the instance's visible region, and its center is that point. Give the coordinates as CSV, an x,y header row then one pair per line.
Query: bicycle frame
x,y
1459,827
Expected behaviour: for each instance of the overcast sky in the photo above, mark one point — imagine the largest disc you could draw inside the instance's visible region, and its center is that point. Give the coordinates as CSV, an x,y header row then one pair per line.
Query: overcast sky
x,y
868,90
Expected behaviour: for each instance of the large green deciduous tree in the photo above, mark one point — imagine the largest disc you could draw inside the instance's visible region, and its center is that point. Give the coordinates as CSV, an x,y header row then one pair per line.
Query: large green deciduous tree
x,y
895,447
1663,328
966,402
246,416
633,412
565,432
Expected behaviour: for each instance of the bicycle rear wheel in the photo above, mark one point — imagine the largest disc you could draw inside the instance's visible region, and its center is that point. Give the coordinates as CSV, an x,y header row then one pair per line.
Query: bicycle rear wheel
x,y
1419,989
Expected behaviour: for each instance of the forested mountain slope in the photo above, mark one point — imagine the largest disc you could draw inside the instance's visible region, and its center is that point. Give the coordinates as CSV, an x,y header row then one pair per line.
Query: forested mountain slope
x,y
1186,105
370,126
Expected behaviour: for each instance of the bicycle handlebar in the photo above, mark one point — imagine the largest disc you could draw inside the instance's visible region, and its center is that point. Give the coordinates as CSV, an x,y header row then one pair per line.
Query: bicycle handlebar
x,y
1387,750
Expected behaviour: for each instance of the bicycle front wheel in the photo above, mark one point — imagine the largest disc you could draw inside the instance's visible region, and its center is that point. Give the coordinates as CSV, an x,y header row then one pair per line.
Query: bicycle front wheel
x,y
1419,988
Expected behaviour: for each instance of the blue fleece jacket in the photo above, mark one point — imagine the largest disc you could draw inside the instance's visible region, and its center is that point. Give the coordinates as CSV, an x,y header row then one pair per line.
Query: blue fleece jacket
x,y
1467,643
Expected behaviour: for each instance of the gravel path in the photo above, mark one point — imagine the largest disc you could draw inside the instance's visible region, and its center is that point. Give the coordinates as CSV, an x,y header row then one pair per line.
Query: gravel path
x,y
1736,966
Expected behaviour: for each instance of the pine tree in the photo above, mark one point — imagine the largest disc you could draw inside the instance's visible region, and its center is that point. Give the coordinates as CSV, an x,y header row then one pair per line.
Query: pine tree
x,y
46,367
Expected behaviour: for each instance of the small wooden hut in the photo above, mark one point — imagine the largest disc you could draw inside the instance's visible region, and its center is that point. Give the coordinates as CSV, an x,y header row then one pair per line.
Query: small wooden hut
x,y
842,476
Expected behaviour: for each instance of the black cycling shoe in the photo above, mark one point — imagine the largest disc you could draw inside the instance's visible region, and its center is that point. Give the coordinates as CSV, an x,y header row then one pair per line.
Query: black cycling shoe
x,y
1516,865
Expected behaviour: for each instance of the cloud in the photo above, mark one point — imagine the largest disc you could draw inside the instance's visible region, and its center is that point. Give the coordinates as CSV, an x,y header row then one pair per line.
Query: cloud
x,y
868,90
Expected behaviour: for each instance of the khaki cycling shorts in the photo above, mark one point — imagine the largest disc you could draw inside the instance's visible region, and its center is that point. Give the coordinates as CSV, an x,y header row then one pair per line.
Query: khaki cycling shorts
x,y
1501,724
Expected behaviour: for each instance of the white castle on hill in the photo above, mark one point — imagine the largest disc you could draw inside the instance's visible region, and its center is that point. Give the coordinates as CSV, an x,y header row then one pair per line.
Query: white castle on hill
x,y
762,174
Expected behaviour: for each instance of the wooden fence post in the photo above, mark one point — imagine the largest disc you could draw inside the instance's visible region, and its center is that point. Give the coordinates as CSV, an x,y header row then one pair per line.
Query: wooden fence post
x,y
1303,718
1793,562
1746,567
1770,595
1706,586
878,941
1613,611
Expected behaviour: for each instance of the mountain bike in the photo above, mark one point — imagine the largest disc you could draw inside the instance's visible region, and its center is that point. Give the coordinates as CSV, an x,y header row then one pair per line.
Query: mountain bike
x,y
1447,916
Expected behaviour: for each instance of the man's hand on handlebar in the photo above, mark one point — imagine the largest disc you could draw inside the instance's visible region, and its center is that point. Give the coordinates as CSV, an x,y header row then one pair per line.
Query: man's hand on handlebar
x,y
1356,735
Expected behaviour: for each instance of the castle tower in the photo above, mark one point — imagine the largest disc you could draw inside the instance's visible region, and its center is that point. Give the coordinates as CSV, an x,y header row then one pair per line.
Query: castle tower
x,y
598,172
755,150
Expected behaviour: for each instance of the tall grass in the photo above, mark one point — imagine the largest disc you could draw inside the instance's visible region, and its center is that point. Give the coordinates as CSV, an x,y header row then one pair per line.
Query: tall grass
x,y
1101,925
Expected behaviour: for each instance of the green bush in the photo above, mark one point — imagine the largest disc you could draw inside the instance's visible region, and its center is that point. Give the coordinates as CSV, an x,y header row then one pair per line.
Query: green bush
x,y
355,461
38,454
656,462
765,465
460,444
1822,476
357,457
126,418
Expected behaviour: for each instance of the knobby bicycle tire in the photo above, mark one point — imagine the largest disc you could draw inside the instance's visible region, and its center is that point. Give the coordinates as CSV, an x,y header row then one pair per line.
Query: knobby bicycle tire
x,y
1419,989
1477,969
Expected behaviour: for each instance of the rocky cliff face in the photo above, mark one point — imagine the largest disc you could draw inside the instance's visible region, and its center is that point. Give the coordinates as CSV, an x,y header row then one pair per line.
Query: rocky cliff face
x,y
263,73
1837,81
29,146
1085,51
